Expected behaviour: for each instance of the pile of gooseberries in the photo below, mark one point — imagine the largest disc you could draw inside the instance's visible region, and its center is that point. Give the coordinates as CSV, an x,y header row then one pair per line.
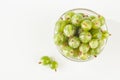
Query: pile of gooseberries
x,y
47,61
79,35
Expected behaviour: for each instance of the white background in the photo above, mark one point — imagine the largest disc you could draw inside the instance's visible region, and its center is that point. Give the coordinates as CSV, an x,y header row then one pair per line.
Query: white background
x,y
26,34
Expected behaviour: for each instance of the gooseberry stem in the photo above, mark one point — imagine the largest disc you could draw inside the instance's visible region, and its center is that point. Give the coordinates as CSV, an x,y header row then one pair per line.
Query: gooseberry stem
x,y
55,70
39,62
95,56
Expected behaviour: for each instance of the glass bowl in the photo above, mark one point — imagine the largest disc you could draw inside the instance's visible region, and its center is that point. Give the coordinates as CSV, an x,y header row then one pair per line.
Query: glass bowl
x,y
87,12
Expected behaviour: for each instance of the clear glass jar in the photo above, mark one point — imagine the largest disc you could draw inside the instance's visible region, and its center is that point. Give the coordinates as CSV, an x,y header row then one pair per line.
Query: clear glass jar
x,y
87,12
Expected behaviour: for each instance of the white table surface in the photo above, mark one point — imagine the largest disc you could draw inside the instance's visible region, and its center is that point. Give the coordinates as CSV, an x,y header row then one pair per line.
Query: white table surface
x,y
26,34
